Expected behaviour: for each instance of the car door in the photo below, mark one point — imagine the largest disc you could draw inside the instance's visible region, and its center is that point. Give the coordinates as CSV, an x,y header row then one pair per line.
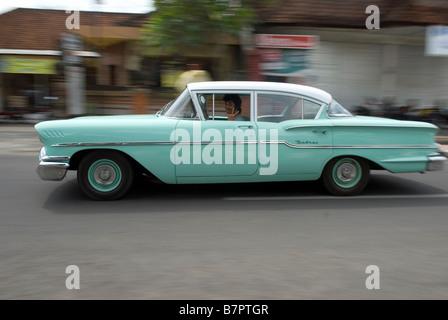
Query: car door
x,y
214,149
303,137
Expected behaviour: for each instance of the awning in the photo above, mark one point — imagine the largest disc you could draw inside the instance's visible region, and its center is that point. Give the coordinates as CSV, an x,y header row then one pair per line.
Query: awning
x,y
15,64
104,36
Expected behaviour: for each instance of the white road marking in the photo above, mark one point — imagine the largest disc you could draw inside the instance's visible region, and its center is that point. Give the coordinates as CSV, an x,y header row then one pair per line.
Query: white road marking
x,y
273,198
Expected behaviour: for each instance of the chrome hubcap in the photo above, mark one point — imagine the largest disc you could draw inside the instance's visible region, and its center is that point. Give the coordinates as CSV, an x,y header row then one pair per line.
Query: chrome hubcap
x,y
346,172
104,175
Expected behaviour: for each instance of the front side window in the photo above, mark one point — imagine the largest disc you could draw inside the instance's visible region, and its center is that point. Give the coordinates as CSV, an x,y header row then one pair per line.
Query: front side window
x,y
181,108
225,106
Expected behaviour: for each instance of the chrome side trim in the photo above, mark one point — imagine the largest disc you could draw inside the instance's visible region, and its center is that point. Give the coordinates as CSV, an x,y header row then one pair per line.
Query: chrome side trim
x,y
303,146
386,147
353,125
149,143
55,159
112,144
159,143
379,125
216,142
306,126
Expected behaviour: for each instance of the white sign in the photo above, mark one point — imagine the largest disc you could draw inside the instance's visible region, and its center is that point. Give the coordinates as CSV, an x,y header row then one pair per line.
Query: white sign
x,y
436,41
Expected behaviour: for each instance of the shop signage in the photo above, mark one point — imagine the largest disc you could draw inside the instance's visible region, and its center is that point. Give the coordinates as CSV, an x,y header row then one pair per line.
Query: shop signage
x,y
284,41
13,64
283,62
436,41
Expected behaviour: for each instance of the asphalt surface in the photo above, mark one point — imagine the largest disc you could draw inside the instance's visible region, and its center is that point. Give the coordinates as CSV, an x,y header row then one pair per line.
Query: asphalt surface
x,y
249,241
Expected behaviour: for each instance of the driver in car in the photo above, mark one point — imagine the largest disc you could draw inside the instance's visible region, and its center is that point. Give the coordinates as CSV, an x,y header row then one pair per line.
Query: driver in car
x,y
233,107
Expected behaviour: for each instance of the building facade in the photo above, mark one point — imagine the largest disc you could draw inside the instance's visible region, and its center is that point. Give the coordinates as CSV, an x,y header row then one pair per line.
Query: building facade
x,y
359,54
354,59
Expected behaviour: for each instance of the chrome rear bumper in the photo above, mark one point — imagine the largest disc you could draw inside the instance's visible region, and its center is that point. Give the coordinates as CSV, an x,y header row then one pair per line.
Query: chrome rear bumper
x,y
436,162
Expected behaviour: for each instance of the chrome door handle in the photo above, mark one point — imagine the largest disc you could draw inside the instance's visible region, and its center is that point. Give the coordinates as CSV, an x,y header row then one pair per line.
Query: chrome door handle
x,y
320,131
246,126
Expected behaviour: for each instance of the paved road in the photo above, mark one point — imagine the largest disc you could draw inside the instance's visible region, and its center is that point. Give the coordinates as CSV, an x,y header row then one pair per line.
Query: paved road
x,y
18,139
266,241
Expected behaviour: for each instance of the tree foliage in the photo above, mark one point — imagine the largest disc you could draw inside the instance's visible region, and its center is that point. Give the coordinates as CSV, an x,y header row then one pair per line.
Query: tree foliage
x,y
179,23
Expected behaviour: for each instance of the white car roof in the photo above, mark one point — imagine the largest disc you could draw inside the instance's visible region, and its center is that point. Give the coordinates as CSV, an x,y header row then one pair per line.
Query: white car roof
x,y
262,85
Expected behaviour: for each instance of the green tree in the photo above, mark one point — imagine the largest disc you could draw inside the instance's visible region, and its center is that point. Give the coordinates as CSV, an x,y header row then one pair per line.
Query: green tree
x,y
177,24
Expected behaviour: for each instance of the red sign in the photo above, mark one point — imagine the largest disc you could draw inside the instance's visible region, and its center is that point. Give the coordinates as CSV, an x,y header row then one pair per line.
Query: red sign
x,y
271,55
286,41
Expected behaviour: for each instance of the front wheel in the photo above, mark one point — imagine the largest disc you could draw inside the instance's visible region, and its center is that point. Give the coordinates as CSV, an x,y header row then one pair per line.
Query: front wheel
x,y
105,175
346,176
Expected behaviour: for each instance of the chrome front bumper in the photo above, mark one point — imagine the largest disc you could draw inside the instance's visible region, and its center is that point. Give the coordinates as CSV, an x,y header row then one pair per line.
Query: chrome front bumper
x,y
53,171
436,162
52,168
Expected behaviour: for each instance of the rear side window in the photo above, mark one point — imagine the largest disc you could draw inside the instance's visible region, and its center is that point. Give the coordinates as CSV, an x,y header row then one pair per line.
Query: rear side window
x,y
273,107
336,110
310,109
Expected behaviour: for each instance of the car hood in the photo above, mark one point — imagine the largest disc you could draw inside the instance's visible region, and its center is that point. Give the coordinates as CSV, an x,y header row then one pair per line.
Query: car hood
x,y
89,120
114,118
104,129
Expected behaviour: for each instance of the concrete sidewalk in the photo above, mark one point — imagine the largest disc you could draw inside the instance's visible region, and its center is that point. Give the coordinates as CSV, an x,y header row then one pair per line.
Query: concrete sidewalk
x,y
22,138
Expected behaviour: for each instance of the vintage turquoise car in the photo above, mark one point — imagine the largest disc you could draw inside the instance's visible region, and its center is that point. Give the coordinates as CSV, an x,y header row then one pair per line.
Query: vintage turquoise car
x,y
236,131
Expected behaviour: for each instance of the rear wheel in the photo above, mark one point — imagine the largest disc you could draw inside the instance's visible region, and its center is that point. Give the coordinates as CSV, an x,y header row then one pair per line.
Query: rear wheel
x,y
346,176
105,175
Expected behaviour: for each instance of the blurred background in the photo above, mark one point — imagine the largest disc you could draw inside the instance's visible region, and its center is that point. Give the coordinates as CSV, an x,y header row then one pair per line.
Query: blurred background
x,y
59,59
264,241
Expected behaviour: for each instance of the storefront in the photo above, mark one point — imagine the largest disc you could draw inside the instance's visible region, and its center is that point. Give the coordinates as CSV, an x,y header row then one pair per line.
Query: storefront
x,y
286,58
27,82
357,66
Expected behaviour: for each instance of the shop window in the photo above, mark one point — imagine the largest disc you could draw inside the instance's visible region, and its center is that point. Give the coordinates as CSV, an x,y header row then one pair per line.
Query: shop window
x,y
90,76
112,75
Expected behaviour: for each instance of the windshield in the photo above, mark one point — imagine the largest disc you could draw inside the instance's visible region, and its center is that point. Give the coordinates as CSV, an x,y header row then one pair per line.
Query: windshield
x,y
336,110
182,107
165,107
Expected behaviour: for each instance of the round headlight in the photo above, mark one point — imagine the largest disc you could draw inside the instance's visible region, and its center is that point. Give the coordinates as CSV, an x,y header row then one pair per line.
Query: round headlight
x,y
43,153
